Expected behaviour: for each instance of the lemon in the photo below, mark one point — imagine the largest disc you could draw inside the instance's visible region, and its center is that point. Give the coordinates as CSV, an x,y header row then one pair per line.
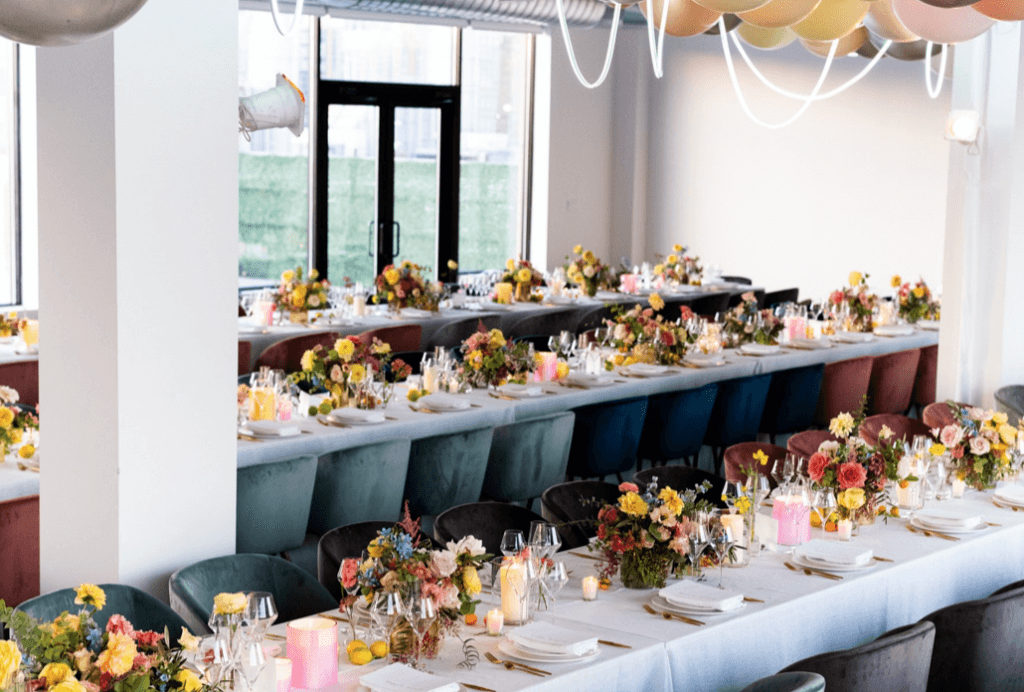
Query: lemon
x,y
355,644
815,520
379,649
27,452
414,395
325,407
360,657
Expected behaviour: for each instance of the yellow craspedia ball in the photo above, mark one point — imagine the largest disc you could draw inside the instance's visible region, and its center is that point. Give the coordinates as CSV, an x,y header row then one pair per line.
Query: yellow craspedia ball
x,y
360,657
379,649
355,644
27,452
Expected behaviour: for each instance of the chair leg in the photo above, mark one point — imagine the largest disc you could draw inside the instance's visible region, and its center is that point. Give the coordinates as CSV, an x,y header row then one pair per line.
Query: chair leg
x,y
771,439
619,476
719,454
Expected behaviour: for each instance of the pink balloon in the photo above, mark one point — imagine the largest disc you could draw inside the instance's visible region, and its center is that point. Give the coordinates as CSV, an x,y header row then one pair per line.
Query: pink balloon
x,y
937,25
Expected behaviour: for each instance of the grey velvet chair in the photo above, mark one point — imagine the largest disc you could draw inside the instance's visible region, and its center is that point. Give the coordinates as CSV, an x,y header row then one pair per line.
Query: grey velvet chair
x,y
788,682
445,471
548,323
898,660
1011,401
340,543
528,457
487,521
683,478
273,505
454,333
359,484
574,505
978,644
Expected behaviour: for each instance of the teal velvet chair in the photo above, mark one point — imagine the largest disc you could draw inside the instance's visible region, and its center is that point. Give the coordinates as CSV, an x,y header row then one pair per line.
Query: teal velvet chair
x,y
605,438
359,484
675,425
445,471
528,457
736,416
792,400
142,610
788,682
296,592
273,505
574,505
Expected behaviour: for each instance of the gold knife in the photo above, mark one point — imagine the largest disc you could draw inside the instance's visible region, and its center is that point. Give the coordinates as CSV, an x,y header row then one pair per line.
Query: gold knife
x,y
816,572
929,532
248,438
608,643
589,557
748,599
883,559
1015,509
672,616
476,687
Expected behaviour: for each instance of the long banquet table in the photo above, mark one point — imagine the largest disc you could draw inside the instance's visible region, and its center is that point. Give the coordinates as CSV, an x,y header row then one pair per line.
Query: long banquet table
x,y
801,616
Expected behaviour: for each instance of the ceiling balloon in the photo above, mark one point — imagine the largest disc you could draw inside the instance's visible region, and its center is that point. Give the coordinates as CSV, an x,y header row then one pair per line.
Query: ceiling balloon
x,y
766,39
63,22
949,4
1003,10
913,50
868,50
685,17
850,43
732,6
832,19
881,21
731,22
941,25
779,13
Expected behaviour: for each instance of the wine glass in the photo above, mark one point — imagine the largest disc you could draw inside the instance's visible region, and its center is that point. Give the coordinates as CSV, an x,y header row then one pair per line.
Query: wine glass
x,y
387,612
697,540
789,468
262,611
722,541
556,578
778,472
824,503
350,564
553,344
512,543
251,661
421,613
540,546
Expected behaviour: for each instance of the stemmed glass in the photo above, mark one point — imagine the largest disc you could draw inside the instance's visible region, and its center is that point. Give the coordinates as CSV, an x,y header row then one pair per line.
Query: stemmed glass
x,y
722,541
789,468
697,541
778,472
935,476
512,543
386,612
251,660
556,578
824,503
350,565
421,613
262,612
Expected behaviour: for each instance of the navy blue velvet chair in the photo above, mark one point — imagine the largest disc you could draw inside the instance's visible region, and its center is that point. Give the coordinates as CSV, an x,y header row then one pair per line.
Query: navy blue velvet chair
x,y
792,400
737,414
676,424
528,457
605,438
573,507
788,682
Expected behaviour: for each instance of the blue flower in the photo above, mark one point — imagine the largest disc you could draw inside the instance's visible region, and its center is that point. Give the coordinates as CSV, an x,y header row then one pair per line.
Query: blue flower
x,y
95,638
164,677
403,546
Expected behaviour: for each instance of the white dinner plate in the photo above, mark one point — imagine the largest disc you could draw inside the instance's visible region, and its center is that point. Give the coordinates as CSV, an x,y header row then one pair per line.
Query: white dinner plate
x,y
810,344
759,350
246,430
644,370
958,530
803,561
363,417
7,340
894,330
583,380
853,337
663,603
442,402
705,360
511,650
930,325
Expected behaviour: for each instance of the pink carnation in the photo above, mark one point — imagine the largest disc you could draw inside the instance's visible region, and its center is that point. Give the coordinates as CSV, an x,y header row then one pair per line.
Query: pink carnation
x,y
836,298
628,488
118,625
951,436
851,475
146,638
817,465
349,570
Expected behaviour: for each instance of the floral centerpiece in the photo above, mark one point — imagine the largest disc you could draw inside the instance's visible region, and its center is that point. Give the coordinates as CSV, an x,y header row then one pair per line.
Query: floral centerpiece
x,y
72,654
644,535
745,323
977,442
680,268
297,296
403,286
351,362
858,301
640,336
14,423
490,360
525,277
856,472
915,303
10,325
588,272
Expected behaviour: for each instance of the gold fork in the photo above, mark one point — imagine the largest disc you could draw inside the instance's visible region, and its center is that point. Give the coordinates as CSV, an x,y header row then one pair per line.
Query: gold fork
x,y
1015,509
512,665
672,616
928,532
28,468
813,572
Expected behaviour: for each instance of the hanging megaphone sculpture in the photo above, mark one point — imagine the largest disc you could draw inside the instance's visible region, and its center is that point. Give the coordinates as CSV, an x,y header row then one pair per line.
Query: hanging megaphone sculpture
x,y
282,106
63,22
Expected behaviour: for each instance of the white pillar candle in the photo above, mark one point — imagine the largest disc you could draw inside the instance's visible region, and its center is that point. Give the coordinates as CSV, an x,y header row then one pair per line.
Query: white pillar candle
x,y
845,530
513,592
494,621
430,379
959,486
359,306
284,674
590,588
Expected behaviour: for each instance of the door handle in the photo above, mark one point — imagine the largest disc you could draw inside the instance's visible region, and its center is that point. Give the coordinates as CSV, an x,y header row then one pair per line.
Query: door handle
x,y
398,238
369,238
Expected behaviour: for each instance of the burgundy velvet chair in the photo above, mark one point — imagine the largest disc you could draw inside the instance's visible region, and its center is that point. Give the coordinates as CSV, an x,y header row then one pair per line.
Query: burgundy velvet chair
x,y
939,414
19,549
244,357
742,455
806,443
406,337
22,376
892,381
901,426
844,384
927,374
287,354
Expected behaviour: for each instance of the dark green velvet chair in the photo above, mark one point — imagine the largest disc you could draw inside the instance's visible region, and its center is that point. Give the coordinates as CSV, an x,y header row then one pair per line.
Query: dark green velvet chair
x,y
273,505
487,521
792,400
788,682
605,438
898,660
340,543
359,484
676,424
528,457
736,416
296,592
683,478
445,471
142,610
573,507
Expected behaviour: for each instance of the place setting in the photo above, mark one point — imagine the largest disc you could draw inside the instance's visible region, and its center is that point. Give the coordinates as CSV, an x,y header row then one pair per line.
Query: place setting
x,y
947,522
831,557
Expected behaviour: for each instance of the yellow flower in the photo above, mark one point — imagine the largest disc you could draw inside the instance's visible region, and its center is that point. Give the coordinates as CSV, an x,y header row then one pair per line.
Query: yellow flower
x,y
561,370
117,658
633,504
189,641
375,549
656,301
308,358
27,451
345,349
229,603
937,450
189,680
475,359
10,662
90,594
1000,418
578,249
677,248
16,436
497,338
287,276
453,265
841,426
659,268
299,296
672,259
743,504
896,281
1007,433
392,276
6,417
919,292
391,296
83,660
471,581
856,278
885,432
313,274
56,673
12,315
71,685
510,264
672,500
381,348
357,374
524,275
852,498
760,457
66,623
589,257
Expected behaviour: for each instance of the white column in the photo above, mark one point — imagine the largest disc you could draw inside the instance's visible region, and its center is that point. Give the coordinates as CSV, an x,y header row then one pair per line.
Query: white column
x,y
981,347
138,199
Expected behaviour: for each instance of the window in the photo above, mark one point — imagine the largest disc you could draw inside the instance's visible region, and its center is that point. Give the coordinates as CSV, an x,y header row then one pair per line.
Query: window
x,y
361,51
10,274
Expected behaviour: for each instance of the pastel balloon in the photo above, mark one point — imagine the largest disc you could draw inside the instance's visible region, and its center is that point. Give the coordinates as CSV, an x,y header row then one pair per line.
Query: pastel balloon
x,y
882,22
685,17
868,50
779,13
832,19
914,50
1003,10
731,22
931,23
850,43
732,6
949,4
766,39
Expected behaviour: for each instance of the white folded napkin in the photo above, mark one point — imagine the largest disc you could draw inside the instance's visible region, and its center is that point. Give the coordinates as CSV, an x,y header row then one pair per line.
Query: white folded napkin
x,y
584,380
759,349
521,390
398,677
894,330
476,307
1011,494
444,402
548,638
558,300
810,344
853,337
931,325
273,427
416,312
646,369
835,552
356,415
607,295
694,595
705,360
948,518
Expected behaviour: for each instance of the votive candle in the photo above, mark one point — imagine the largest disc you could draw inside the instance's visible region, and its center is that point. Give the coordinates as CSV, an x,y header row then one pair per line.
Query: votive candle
x,y
845,530
547,366
313,650
284,674
589,588
494,621
628,283
359,306
514,592
959,486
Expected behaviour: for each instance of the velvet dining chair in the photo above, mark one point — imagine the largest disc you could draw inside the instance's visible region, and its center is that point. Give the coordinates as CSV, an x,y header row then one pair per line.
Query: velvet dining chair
x,y
1011,401
343,542
605,438
805,444
287,354
926,378
296,592
939,414
740,456
539,341
23,377
792,400
898,660
19,549
593,319
786,295
547,323
403,337
844,385
414,359
711,304
244,357
452,334
902,427
737,413
737,280
675,425
273,503
486,521
574,505
788,682
682,478
892,381
527,457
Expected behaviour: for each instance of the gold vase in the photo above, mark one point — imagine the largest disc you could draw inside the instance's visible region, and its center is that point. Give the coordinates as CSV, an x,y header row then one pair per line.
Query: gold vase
x,y
522,292
403,640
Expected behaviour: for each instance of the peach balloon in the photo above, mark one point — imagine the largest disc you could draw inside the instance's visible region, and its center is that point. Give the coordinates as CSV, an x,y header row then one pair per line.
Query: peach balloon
x,y
1003,10
732,6
850,43
731,22
766,39
949,4
883,23
779,13
832,19
937,25
912,50
685,17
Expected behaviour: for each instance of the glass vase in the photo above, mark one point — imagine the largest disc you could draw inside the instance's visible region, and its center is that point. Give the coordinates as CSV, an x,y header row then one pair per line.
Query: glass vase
x,y
643,569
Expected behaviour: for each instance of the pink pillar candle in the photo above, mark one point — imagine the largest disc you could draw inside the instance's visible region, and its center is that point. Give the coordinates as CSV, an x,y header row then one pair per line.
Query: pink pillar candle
x,y
313,650
547,366
628,283
284,674
792,520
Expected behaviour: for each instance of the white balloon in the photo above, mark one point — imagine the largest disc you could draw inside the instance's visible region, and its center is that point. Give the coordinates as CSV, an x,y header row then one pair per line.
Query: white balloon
x,y
63,22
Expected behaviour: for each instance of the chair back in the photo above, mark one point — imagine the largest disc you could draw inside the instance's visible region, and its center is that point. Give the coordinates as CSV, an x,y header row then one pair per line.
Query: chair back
x,y
593,318
296,592
605,437
792,400
343,542
737,280
19,549
683,478
898,660
487,521
737,298
786,295
788,682
674,307
676,423
539,341
547,323
273,505
23,377
414,359
403,337
844,384
454,333
244,357
939,414
1010,400
287,354
711,303
136,606
741,456
528,457
574,505
901,426
738,410
978,644
805,444
927,375
892,381
446,470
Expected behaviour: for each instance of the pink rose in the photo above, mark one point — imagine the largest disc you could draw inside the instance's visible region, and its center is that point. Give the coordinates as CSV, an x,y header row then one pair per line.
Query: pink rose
x,y
951,436
851,475
336,373
817,465
628,488
118,625
980,446
836,298
349,573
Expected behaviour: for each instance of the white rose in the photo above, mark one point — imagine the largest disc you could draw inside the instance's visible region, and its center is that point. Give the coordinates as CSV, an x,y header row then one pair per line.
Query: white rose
x,y
620,332
828,447
469,544
589,271
980,446
451,597
976,414
443,563
8,395
313,301
336,373
884,433
906,466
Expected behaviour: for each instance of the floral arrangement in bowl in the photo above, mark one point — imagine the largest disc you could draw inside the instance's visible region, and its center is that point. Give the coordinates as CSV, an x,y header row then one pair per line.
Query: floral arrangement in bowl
x,y
297,296
488,359
641,336
915,303
977,443
72,654
745,323
855,303
351,362
10,325
588,272
403,286
855,471
680,269
525,277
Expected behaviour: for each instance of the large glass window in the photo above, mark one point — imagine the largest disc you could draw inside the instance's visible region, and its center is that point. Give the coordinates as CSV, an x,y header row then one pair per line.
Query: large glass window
x,y
361,51
9,275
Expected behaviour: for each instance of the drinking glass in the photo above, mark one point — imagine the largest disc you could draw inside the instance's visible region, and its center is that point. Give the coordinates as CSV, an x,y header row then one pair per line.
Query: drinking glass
x,y
386,612
262,612
347,564
824,503
697,541
789,468
421,613
512,543
556,578
721,540
540,539
778,472
935,477
251,661
553,344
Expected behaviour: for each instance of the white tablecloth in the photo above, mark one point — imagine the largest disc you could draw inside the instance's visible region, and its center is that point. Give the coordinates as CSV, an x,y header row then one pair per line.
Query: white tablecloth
x,y
15,483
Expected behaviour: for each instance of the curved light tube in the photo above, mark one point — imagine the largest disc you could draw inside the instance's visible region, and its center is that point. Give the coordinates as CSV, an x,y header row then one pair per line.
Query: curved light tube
x,y
658,55
935,90
743,101
274,11
572,53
